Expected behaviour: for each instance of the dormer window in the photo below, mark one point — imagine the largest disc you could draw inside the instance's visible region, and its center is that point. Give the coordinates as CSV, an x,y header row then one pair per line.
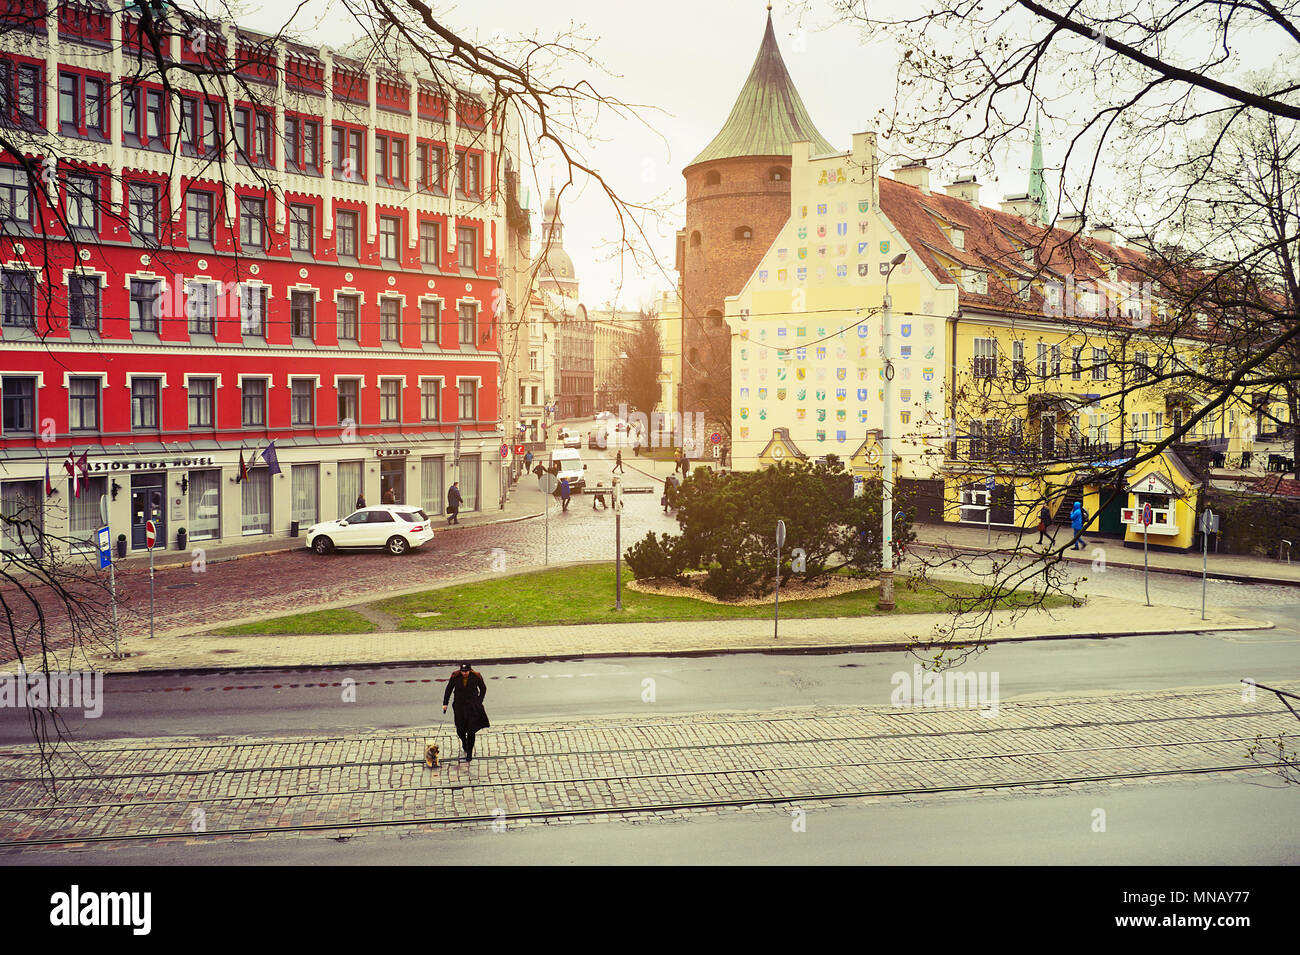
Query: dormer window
x,y
1027,254
958,239
743,233
975,282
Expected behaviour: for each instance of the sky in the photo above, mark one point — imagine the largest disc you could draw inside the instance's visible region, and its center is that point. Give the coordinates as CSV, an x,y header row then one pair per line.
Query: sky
x,y
682,63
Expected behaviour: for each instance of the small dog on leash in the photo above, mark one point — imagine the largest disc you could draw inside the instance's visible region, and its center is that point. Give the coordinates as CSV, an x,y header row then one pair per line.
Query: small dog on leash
x,y
431,754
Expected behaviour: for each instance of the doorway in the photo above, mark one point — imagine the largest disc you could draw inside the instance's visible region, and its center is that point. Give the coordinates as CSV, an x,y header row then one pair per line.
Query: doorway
x,y
392,482
147,504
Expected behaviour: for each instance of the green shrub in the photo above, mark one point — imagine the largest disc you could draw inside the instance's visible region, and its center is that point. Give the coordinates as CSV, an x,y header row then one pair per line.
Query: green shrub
x,y
654,557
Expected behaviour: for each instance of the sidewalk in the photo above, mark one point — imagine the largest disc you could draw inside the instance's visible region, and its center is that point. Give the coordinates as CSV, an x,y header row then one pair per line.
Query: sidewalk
x,y
1100,617
518,508
968,538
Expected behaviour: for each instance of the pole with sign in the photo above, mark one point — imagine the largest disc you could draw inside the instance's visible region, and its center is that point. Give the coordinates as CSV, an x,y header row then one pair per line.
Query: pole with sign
x,y
150,535
1146,533
989,486
617,497
780,542
548,488
1209,525
104,539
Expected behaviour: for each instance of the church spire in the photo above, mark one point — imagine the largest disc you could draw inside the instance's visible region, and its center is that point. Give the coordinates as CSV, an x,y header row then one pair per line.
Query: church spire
x,y
1037,184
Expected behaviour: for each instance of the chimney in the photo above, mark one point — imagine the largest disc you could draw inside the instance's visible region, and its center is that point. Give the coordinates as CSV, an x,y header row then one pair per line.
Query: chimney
x,y
1023,206
1106,233
1071,223
966,189
914,174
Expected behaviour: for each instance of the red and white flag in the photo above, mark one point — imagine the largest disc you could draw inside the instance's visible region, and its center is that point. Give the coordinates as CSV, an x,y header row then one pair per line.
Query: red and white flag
x,y
70,466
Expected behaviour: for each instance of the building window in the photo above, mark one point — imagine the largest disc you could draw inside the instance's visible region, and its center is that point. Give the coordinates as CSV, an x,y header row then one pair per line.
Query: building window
x,y
201,306
198,216
469,175
25,105
430,241
83,302
743,233
467,247
252,223
23,525
349,400
144,404
252,310
1099,364
82,194
430,399
429,162
202,401
390,237
1056,361
1042,361
142,208
81,105
302,228
302,401
309,161
17,298
83,404
347,154
265,154
1017,359
19,399
302,322
346,228
468,389
1141,369
390,160
348,307
255,502
254,402
1076,367
205,505
144,304
390,319
305,486
430,317
468,321
713,178
15,195
986,358
390,400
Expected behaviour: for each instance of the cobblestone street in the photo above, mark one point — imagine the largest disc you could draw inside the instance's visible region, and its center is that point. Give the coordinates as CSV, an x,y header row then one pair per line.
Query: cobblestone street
x,y
632,767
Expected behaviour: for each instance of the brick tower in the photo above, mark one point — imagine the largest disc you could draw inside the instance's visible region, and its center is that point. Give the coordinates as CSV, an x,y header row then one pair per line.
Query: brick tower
x,y
737,199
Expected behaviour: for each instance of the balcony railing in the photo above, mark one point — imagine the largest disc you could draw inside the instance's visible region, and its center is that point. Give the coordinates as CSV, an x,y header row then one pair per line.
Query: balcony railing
x,y
1006,449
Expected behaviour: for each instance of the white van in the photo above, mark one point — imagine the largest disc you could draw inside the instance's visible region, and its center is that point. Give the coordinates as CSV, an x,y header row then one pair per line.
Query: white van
x,y
571,467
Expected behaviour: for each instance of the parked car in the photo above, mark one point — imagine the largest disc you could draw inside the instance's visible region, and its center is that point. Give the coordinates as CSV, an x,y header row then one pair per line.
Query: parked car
x,y
395,527
570,439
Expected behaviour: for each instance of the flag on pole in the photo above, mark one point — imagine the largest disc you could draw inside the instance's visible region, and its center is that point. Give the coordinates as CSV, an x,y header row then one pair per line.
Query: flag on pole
x,y
243,469
70,466
49,487
83,469
272,461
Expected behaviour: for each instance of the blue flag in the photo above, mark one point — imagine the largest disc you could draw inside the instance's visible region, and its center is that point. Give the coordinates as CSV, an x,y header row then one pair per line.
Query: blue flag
x,y
272,462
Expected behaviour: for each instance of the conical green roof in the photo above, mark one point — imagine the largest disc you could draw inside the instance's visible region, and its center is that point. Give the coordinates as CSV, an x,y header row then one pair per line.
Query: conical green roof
x,y
768,115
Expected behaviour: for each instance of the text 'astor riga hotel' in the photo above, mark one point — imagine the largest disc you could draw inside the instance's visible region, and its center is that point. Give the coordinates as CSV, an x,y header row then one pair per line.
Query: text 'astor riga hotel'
x,y
293,246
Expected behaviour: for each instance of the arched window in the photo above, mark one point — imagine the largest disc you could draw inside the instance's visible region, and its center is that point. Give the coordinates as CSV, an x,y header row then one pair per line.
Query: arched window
x,y
713,178
714,317
743,233
777,174
695,356
695,239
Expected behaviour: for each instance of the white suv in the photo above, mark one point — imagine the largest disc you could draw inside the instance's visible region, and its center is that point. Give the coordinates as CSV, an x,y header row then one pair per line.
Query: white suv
x,y
395,527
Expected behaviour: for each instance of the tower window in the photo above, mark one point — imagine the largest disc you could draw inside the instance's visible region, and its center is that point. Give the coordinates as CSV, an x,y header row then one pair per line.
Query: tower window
x,y
777,174
714,317
713,178
695,239
743,233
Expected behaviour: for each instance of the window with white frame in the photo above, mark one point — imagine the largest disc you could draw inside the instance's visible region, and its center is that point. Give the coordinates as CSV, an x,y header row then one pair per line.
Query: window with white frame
x,y
202,400
144,403
468,394
390,319
254,402
390,400
302,402
1100,367
252,310
200,306
17,298
83,404
985,357
83,302
430,317
430,399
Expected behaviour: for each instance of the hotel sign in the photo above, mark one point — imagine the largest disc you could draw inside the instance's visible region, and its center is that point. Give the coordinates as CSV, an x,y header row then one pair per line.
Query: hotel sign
x,y
158,464
392,452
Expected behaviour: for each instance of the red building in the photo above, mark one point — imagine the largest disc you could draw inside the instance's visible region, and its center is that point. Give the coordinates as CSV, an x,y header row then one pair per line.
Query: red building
x,y
304,254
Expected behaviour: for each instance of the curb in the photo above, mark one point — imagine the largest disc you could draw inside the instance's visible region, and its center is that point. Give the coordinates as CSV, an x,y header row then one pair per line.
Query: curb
x,y
1127,565
781,649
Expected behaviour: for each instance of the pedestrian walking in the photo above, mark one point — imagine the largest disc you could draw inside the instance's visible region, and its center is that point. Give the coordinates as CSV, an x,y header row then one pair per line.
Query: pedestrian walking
x,y
453,503
1044,519
670,492
686,465
618,462
468,687
1076,523
528,460
725,449
389,496
677,460
565,493
598,497
361,501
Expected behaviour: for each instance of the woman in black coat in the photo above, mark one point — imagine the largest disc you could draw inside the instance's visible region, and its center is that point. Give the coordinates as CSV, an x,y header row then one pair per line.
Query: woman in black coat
x,y
469,688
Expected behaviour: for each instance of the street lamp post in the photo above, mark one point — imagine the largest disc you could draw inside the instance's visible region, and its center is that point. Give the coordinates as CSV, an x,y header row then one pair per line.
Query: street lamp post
x,y
886,601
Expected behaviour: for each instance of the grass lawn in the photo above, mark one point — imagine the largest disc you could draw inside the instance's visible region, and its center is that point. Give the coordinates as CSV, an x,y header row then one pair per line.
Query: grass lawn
x,y
580,595
320,621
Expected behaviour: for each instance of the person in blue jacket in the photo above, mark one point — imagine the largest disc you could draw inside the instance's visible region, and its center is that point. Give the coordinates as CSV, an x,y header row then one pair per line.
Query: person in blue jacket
x,y
565,492
1076,522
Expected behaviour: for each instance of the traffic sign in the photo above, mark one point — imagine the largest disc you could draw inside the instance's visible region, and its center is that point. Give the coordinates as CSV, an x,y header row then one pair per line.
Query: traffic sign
x,y
103,508
717,451
150,534
505,451
1146,515
716,437
780,533
990,484
520,449
103,543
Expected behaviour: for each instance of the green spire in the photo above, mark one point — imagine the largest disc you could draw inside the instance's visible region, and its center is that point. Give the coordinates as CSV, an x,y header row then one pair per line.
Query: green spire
x,y
1037,186
768,115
